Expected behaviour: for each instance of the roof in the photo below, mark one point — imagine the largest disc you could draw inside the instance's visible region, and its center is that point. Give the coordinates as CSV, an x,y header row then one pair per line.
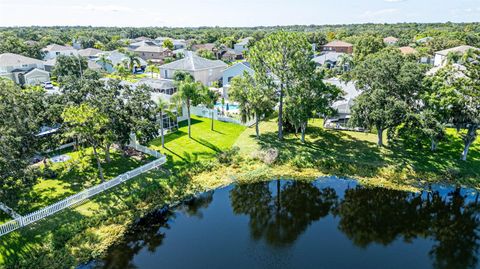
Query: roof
x,y
459,49
244,41
425,39
351,92
12,59
142,38
37,70
193,62
390,39
89,52
51,62
142,43
156,83
117,57
330,56
56,47
93,65
244,64
154,49
338,43
407,50
207,46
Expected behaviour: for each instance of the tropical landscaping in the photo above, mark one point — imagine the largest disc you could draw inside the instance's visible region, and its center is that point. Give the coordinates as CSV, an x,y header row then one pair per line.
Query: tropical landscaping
x,y
410,126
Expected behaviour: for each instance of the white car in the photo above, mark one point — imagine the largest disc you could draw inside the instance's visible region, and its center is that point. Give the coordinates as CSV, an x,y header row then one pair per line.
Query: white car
x,y
48,85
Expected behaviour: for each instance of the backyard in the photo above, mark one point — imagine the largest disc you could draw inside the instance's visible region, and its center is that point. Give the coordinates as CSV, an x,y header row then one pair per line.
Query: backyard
x,y
84,232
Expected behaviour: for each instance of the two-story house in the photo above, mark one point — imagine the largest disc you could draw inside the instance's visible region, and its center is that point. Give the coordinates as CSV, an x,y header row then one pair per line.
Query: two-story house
x,y
23,70
52,51
338,46
154,53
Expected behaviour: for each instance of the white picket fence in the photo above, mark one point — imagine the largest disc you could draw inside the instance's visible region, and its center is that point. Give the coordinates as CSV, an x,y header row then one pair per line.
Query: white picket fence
x,y
83,195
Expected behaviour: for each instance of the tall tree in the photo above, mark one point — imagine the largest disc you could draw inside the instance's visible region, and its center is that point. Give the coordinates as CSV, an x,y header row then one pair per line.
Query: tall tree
x,y
188,94
254,98
132,60
168,44
163,108
69,66
210,98
367,44
284,56
87,124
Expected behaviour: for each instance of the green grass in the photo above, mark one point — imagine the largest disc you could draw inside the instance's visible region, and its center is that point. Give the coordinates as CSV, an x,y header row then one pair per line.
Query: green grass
x,y
72,176
204,144
356,154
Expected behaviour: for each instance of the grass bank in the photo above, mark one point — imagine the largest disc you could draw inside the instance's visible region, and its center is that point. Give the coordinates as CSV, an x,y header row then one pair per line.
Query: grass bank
x,y
86,231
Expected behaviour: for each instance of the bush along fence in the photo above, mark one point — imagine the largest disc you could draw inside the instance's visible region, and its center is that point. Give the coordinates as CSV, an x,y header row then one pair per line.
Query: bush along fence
x,y
22,221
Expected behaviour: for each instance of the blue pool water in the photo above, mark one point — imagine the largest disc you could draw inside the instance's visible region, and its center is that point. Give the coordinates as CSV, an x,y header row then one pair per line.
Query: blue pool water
x,y
230,106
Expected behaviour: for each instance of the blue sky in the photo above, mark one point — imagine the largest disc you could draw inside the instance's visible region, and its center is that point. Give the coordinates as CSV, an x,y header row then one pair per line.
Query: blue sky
x,y
230,13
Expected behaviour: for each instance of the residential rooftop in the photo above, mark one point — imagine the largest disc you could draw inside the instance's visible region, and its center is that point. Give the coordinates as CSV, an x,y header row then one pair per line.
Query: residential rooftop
x,y
56,47
338,43
460,49
12,59
193,62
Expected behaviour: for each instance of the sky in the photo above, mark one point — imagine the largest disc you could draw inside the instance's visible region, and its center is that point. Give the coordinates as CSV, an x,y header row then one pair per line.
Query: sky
x,y
229,13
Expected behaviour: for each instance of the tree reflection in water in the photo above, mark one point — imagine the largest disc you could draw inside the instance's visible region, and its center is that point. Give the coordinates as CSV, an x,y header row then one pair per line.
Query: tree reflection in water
x,y
366,215
281,217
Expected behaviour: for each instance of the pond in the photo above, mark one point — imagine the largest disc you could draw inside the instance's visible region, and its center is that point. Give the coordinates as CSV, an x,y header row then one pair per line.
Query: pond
x,y
328,223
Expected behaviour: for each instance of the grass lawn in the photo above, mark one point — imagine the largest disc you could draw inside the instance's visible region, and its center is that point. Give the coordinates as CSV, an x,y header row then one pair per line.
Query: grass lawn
x,y
204,144
356,154
72,176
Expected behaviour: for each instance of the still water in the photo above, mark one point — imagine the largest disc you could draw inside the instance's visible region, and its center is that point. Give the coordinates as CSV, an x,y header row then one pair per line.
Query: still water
x,y
328,223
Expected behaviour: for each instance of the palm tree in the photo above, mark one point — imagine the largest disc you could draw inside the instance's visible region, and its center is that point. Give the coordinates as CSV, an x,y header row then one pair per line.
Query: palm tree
x,y
132,60
209,100
121,70
104,60
187,94
163,108
345,60
152,69
453,57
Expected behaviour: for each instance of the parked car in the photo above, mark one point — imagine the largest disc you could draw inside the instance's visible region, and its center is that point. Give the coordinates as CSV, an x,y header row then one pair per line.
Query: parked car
x,y
48,85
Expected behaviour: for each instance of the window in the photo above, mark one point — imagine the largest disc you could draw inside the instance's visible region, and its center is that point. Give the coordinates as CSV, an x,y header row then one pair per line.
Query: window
x,y
57,53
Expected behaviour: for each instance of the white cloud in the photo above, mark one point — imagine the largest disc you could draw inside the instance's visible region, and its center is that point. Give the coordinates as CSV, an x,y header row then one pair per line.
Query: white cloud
x,y
105,8
394,1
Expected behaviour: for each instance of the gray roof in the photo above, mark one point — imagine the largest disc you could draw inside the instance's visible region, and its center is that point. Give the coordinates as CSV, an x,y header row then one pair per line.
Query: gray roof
x,y
156,83
244,41
117,57
51,62
56,47
193,62
12,59
330,56
142,43
89,52
459,49
351,92
155,49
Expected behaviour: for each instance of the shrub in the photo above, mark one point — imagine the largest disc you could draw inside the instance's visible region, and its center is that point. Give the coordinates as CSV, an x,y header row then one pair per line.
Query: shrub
x,y
303,160
269,156
227,157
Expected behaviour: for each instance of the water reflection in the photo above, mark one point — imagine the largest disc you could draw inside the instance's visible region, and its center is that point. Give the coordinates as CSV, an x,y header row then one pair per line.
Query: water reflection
x,y
278,213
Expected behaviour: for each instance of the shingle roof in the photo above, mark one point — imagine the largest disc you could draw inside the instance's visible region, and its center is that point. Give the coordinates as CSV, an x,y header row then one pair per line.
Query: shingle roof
x,y
351,92
89,52
390,39
207,46
244,41
459,49
192,62
56,47
338,43
12,59
155,49
407,50
328,56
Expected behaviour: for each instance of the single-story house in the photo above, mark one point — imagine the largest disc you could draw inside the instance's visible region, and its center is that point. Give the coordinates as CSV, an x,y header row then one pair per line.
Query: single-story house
x,y
90,53
23,70
153,53
390,40
343,107
233,71
407,50
328,58
117,57
441,56
242,45
53,51
203,70
338,46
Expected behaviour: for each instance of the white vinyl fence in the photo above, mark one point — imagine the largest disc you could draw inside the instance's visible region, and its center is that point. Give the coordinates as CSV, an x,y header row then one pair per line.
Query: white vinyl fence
x,y
82,196
207,113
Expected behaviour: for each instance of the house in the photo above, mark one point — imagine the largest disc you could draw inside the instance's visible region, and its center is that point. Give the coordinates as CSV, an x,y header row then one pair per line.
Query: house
x,y
343,107
53,50
142,38
229,55
90,53
338,46
203,70
177,43
136,45
424,40
407,50
328,59
441,56
242,45
116,57
390,40
207,46
23,70
154,53
233,71
162,89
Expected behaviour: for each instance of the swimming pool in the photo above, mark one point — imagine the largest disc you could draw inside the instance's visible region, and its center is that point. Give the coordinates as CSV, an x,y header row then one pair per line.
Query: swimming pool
x,y
230,106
